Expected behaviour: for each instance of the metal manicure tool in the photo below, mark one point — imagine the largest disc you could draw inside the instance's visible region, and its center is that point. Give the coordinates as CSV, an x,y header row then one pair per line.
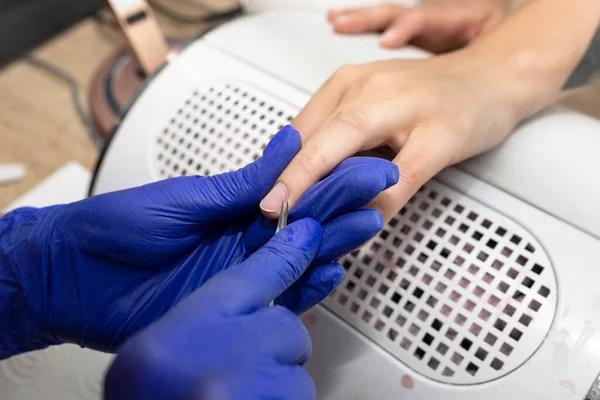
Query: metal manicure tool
x,y
283,216
282,223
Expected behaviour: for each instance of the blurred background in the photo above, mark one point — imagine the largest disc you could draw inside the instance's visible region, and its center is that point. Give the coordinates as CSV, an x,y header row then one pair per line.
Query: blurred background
x,y
54,58
50,53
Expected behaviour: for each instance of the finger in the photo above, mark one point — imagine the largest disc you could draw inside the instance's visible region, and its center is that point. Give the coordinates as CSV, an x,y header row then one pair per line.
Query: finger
x,y
323,103
265,274
343,234
405,28
342,137
443,29
281,335
225,196
315,285
368,19
346,190
341,192
427,150
347,233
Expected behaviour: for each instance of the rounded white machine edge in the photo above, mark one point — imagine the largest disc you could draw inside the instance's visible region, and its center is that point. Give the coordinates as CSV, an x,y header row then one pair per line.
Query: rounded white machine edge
x,y
314,5
551,161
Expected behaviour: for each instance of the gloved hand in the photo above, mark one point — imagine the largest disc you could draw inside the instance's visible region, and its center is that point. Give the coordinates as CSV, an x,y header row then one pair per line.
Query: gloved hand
x,y
97,271
222,342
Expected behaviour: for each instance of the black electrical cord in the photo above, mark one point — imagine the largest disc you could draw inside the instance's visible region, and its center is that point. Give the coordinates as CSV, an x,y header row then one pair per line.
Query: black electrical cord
x,y
74,86
210,16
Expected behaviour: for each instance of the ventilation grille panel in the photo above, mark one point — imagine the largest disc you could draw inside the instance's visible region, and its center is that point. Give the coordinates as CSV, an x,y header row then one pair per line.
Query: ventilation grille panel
x,y
458,292
218,129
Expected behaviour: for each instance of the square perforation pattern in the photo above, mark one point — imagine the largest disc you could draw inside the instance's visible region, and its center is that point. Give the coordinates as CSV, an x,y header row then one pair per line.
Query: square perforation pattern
x,y
217,129
454,290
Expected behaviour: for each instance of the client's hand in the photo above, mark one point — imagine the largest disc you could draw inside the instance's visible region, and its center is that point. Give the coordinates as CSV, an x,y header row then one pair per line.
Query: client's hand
x,y
433,113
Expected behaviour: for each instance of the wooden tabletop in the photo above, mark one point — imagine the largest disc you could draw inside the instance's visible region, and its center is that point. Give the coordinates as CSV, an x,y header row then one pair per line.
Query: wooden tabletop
x,y
38,124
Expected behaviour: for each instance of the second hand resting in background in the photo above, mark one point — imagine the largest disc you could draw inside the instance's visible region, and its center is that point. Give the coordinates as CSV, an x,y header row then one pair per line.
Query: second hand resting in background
x,y
439,111
436,26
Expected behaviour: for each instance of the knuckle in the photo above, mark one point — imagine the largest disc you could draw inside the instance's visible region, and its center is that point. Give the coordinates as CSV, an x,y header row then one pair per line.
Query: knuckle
x,y
247,176
385,204
381,80
352,121
411,170
346,73
388,8
418,14
309,161
290,260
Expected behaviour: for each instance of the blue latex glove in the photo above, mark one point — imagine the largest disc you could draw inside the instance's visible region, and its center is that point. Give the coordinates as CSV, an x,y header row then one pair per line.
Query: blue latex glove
x,y
222,343
97,271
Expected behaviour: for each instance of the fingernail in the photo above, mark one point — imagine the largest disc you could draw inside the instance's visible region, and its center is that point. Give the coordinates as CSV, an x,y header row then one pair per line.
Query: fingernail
x,y
272,201
342,19
334,12
387,36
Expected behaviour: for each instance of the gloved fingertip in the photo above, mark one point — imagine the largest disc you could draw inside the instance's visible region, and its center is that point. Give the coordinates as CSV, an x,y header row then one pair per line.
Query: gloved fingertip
x,y
392,175
378,222
287,137
333,275
389,173
303,234
312,288
253,182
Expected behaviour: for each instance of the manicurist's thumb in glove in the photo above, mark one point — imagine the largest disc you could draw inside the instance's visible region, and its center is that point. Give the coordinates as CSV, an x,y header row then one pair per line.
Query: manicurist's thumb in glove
x,y
97,271
223,342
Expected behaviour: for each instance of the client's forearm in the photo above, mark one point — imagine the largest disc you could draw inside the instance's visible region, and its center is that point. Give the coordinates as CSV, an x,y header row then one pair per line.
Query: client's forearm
x,y
537,48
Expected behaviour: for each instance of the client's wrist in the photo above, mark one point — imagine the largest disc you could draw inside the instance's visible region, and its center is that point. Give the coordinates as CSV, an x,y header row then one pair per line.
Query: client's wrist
x,y
516,84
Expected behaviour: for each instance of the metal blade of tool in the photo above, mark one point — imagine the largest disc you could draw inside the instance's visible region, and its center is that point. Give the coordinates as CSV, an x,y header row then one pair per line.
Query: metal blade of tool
x,y
281,223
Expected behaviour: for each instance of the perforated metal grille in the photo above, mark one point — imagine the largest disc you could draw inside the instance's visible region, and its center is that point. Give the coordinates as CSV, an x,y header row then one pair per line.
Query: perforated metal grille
x,y
451,288
458,292
219,128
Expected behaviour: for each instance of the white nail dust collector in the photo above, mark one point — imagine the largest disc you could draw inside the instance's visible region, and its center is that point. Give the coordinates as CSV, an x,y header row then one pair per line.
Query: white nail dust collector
x,y
485,286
